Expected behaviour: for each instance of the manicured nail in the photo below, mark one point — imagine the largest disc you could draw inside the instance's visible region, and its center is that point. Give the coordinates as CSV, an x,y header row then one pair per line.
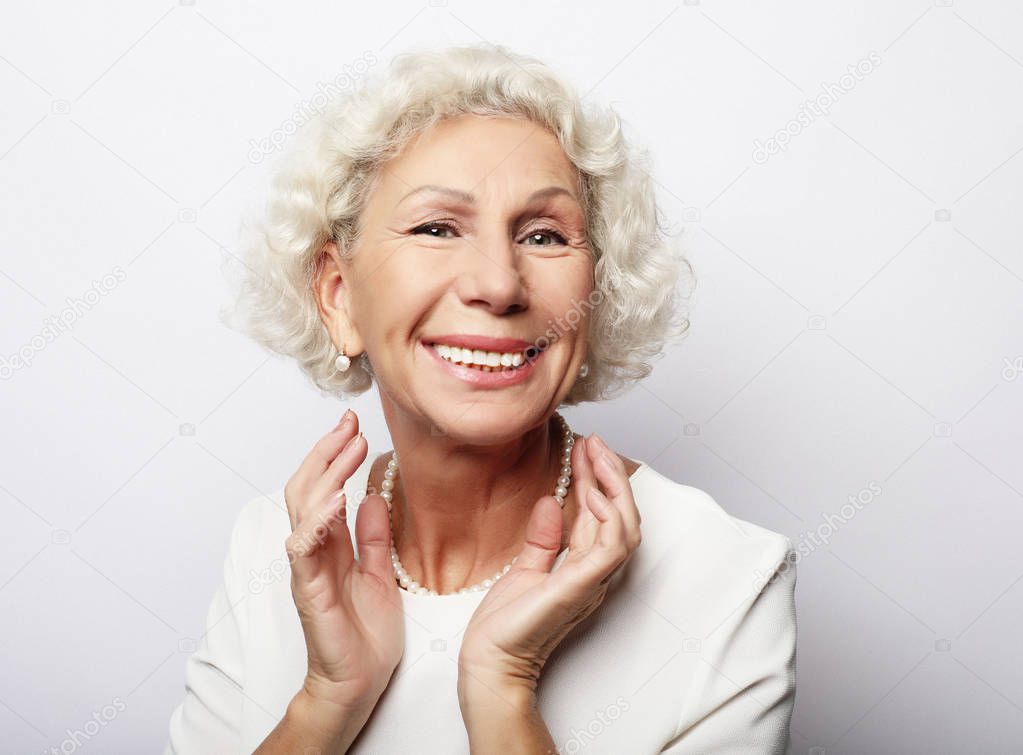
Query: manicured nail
x,y
345,419
351,442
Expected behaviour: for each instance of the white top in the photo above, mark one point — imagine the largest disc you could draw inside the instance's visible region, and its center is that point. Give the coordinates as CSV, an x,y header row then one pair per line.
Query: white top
x,y
692,650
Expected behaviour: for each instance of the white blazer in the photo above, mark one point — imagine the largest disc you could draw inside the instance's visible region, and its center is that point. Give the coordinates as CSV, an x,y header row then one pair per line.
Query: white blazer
x,y
692,650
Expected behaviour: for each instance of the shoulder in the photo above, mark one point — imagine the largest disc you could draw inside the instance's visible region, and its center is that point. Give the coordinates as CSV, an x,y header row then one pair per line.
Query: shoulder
x,y
263,525
260,529
709,555
687,509
725,587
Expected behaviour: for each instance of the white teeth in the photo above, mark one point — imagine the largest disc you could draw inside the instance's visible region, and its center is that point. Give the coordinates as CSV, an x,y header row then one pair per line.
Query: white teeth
x,y
480,358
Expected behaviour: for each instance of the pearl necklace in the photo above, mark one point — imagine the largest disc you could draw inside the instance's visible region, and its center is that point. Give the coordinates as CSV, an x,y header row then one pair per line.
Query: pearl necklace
x,y
387,493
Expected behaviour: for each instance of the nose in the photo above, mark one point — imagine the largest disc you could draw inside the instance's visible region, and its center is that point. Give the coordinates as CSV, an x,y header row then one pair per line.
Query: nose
x,y
493,278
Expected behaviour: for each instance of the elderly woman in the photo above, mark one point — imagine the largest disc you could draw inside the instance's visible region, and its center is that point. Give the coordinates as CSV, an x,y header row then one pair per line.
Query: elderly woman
x,y
463,233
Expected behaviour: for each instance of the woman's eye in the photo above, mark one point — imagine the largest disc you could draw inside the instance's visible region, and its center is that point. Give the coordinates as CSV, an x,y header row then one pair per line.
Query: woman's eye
x,y
432,229
539,235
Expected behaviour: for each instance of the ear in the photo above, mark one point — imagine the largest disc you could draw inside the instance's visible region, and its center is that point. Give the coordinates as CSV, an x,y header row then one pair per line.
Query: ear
x,y
333,299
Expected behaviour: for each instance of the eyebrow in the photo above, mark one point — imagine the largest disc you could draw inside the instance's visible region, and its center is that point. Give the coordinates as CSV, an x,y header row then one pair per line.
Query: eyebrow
x,y
468,198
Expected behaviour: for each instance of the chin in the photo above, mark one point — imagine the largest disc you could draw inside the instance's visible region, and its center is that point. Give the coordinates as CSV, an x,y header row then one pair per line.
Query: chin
x,y
483,423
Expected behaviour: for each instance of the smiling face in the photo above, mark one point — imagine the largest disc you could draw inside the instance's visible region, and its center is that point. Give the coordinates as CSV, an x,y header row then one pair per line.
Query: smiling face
x,y
473,250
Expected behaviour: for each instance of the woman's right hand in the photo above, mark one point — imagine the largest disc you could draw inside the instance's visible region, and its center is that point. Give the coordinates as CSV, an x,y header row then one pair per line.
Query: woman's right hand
x,y
350,609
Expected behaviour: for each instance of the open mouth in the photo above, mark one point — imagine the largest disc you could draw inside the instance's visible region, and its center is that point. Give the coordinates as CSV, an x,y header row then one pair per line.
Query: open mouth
x,y
486,361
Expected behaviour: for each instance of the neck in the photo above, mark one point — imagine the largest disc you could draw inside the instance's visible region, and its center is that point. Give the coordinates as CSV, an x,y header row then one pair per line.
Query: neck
x,y
459,511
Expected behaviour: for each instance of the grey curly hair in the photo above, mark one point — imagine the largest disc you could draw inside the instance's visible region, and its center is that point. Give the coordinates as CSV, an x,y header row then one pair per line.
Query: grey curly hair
x,y
320,187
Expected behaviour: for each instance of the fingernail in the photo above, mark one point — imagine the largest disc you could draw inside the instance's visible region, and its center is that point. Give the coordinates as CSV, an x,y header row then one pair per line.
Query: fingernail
x,y
599,440
351,442
345,419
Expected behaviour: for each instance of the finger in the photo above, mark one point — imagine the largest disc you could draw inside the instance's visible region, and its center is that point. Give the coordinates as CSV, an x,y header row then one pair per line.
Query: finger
x,y
323,453
543,536
373,535
327,526
337,550
584,528
614,479
318,459
588,570
611,548
591,565
611,533
298,487
348,459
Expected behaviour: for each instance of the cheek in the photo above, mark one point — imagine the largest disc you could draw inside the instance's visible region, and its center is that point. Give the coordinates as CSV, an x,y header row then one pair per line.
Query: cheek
x,y
567,314
400,294
566,291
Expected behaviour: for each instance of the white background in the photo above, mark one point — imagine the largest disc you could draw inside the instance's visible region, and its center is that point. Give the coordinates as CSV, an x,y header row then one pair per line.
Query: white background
x,y
858,321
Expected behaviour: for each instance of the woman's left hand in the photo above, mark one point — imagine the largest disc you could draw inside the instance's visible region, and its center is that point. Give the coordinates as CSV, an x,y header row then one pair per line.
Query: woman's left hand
x,y
531,609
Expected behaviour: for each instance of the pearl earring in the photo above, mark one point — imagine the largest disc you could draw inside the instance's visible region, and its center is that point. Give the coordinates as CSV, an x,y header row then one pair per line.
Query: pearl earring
x,y
584,370
342,362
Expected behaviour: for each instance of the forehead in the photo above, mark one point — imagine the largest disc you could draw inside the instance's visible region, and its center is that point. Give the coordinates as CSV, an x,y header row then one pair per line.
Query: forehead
x,y
477,151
